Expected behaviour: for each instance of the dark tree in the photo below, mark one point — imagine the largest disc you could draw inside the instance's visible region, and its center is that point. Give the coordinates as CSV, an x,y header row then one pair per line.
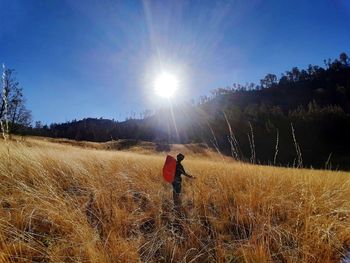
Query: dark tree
x,y
344,59
269,81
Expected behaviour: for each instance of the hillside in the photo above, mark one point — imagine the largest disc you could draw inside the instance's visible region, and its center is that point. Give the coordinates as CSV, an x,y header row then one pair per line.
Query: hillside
x,y
65,203
194,150
307,109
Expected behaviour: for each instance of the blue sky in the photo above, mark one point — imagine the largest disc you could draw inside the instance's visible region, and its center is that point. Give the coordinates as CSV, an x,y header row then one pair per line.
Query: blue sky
x,y
87,58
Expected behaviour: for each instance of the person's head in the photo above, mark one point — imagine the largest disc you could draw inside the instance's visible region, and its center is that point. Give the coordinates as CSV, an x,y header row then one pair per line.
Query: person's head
x,y
180,157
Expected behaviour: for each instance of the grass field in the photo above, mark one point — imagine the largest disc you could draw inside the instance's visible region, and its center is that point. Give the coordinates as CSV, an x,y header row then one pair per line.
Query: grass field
x,y
64,203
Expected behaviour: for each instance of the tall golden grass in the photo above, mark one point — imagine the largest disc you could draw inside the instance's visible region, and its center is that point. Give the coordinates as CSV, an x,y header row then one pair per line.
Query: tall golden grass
x,y
60,203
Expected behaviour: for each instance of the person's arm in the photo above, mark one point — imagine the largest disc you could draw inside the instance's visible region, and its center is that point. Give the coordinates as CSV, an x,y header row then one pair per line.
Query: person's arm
x,y
190,176
186,174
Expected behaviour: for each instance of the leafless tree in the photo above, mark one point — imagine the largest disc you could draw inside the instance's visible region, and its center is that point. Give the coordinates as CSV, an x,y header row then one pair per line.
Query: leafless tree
x,y
12,105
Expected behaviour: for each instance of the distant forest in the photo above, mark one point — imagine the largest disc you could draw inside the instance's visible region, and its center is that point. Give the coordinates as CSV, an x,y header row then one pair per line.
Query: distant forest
x,y
299,119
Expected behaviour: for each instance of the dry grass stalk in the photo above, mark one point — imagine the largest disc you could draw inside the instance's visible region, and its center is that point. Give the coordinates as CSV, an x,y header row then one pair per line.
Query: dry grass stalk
x,y
298,162
235,149
251,144
214,140
328,164
276,147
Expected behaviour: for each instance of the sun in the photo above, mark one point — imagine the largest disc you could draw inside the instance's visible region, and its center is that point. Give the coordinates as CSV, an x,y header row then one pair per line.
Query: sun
x,y
165,85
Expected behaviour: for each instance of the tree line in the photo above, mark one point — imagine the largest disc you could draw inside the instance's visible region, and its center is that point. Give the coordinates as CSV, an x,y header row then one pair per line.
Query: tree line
x,y
301,118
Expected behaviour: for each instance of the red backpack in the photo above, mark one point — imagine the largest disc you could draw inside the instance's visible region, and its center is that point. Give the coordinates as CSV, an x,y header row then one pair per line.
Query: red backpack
x,y
169,169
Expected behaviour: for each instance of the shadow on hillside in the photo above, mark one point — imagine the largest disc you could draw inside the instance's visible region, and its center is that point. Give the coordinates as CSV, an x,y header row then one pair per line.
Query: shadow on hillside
x,y
121,144
197,148
162,147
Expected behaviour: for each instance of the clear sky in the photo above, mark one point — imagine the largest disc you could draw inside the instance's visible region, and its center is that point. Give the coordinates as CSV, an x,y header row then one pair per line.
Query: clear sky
x,y
98,58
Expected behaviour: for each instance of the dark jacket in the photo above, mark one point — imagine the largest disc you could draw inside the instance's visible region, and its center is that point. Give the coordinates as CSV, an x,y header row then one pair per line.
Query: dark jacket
x,y
179,171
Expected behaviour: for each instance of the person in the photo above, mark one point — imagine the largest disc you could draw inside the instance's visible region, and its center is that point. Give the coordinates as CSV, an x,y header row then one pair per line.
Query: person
x,y
177,181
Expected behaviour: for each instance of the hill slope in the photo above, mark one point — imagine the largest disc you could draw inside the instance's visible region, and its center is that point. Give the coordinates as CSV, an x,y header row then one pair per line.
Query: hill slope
x,y
312,103
61,203
192,150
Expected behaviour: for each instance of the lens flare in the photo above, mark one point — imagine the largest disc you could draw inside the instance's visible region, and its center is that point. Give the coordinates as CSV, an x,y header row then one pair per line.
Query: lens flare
x,y
165,85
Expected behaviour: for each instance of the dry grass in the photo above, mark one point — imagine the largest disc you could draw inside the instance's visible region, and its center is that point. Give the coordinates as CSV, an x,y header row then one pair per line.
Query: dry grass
x,y
196,151
60,203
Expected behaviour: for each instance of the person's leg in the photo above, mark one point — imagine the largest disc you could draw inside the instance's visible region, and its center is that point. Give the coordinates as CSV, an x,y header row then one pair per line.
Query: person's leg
x,y
177,195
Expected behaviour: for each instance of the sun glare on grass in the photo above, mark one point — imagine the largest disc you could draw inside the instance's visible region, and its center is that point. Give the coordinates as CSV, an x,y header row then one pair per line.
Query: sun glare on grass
x,y
165,85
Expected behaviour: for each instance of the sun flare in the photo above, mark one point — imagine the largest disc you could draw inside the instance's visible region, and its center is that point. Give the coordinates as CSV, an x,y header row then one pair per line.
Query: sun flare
x,y
165,85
